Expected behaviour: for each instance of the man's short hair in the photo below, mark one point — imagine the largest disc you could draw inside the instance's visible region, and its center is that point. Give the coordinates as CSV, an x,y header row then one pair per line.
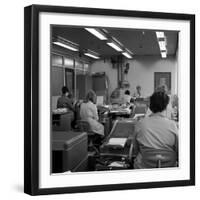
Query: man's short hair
x,y
65,89
158,101
127,92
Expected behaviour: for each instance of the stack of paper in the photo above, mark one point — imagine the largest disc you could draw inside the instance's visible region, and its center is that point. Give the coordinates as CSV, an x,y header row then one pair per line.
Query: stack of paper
x,y
139,116
117,141
99,100
59,111
116,164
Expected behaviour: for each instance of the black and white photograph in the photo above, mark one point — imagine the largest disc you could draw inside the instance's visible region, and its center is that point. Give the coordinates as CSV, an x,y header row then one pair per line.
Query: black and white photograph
x,y
109,100
107,114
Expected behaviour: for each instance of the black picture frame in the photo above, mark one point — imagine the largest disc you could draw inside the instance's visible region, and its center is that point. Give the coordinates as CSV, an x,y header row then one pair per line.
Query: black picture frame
x,y
31,98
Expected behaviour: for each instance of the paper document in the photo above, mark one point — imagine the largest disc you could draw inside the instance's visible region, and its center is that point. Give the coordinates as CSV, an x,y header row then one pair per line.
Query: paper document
x,y
99,100
59,111
138,116
116,164
117,141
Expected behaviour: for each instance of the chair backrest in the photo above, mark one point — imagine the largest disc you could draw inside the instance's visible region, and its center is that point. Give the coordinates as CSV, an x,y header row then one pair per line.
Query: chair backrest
x,y
153,158
140,109
83,126
77,110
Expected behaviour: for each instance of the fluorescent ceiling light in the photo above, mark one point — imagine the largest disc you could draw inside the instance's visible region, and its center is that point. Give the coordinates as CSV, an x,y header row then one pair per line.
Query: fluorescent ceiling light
x,y
162,45
127,55
114,46
163,54
66,46
96,33
91,55
160,34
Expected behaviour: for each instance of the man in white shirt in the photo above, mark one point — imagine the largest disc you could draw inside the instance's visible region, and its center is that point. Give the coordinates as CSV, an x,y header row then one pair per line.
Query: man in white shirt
x,y
155,132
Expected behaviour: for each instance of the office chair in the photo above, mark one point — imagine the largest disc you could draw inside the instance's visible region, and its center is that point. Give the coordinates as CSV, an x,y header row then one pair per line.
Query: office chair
x,y
141,109
156,158
77,108
84,126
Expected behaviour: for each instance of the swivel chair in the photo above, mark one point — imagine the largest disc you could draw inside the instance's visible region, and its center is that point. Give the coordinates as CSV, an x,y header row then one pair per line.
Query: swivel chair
x,y
84,126
157,158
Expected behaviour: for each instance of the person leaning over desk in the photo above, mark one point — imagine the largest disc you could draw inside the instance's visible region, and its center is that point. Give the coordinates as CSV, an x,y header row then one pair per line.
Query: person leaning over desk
x,y
127,97
65,101
156,131
88,112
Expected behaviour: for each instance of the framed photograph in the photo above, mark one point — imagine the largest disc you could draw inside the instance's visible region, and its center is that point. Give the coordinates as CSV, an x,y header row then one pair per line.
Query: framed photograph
x,y
162,79
109,99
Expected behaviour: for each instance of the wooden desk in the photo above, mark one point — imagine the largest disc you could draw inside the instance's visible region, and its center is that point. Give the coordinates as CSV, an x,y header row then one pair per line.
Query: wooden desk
x,y
69,151
62,121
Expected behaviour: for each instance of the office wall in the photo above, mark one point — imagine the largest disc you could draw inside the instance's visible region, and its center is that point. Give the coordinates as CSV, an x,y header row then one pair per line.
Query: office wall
x,y
57,80
101,66
141,72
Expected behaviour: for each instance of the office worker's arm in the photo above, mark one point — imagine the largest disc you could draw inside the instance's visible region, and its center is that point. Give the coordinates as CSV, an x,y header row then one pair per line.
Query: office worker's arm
x,y
68,104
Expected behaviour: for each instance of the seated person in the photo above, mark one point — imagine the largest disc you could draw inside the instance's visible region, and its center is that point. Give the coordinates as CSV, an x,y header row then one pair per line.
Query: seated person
x,y
138,93
117,96
88,112
127,97
155,131
169,111
65,101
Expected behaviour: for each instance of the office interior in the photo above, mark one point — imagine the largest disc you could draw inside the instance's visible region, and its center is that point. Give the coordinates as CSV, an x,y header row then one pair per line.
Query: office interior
x,y
108,61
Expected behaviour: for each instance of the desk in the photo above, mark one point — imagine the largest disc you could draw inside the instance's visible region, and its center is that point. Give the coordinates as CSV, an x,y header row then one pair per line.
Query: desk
x,y
109,113
69,151
62,121
120,112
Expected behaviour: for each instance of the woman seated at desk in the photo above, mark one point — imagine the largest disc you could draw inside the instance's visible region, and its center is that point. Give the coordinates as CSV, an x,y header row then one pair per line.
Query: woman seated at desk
x,y
155,132
66,102
88,112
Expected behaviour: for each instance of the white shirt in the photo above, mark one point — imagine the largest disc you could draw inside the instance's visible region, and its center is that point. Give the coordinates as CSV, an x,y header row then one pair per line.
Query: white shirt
x,y
89,110
89,113
127,98
155,132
